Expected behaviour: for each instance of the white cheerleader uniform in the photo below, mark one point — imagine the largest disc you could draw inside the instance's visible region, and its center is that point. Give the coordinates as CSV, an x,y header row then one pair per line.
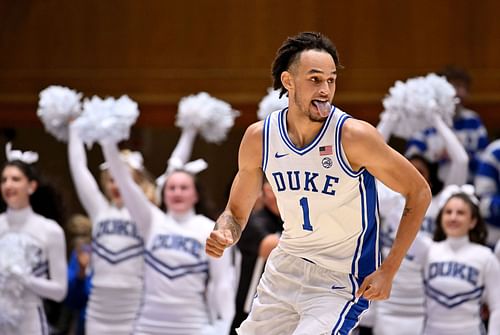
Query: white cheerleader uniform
x,y
330,238
497,250
403,313
48,279
185,291
458,276
117,258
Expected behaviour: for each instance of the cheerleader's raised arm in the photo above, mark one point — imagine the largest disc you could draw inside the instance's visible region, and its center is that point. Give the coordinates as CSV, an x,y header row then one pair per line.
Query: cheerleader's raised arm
x,y
86,186
459,160
138,205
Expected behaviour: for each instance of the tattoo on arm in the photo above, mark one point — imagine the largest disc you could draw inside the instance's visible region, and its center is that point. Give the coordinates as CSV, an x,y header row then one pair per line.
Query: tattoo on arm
x,y
406,211
228,221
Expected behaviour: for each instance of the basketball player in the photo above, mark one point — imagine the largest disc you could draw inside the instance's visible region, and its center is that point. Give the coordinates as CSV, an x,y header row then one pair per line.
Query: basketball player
x,y
322,165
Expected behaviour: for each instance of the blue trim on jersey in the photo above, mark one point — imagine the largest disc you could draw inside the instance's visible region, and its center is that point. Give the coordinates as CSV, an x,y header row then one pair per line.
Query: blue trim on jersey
x,y
421,146
41,269
496,154
349,319
430,131
43,321
338,148
121,251
173,272
454,300
284,133
493,215
115,257
483,142
487,170
265,142
367,256
467,124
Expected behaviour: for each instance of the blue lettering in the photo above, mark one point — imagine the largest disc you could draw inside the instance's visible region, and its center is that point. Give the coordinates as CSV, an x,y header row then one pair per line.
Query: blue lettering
x,y
306,181
117,227
178,242
280,184
445,268
455,270
472,276
290,181
328,184
433,270
458,271
310,180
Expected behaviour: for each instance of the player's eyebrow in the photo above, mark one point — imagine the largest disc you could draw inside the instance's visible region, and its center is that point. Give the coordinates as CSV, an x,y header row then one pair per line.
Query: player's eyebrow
x,y
314,71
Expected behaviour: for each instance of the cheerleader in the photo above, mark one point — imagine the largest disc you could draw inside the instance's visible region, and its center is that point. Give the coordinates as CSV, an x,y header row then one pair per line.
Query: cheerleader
x,y
41,239
117,249
459,272
403,312
185,292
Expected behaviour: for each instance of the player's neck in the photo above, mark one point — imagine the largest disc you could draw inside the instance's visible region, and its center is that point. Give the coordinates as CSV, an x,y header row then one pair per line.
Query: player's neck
x,y
301,129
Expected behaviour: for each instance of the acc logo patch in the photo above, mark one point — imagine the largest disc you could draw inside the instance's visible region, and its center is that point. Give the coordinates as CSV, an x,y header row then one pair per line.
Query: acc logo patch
x,y
327,162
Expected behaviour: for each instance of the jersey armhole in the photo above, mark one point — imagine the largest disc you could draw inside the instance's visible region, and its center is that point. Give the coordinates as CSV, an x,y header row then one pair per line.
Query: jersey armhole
x,y
341,157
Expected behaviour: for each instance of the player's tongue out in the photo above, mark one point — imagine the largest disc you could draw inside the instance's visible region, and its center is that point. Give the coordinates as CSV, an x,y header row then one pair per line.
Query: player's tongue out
x,y
323,107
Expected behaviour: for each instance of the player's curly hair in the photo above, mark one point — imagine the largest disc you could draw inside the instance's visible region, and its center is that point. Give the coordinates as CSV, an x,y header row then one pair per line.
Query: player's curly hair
x,y
290,50
477,234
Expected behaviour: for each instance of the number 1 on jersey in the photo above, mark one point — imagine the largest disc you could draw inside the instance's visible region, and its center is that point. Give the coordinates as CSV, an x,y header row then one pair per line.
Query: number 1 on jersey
x,y
305,211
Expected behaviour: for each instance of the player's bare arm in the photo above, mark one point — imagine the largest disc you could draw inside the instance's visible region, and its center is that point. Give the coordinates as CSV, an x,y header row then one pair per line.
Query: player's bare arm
x,y
364,147
244,191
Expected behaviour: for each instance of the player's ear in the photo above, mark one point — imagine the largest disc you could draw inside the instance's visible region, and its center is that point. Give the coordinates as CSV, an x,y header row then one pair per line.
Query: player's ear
x,y
286,80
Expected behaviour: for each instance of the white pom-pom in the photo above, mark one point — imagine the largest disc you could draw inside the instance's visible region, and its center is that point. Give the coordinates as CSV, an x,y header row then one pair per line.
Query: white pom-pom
x,y
210,116
56,107
106,120
270,103
415,102
17,259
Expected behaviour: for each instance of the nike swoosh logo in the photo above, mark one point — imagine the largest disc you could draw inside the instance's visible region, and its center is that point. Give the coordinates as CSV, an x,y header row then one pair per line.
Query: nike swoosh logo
x,y
334,287
277,155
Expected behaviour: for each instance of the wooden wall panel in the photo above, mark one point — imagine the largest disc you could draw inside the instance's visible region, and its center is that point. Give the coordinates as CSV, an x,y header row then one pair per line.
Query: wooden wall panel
x,y
158,51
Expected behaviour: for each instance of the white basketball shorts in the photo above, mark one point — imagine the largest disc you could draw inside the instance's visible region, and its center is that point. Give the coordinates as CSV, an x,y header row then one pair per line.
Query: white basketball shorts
x,y
297,297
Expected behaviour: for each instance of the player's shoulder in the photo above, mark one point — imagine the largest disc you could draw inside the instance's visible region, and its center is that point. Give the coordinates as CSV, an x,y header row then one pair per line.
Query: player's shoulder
x,y
356,131
255,129
253,135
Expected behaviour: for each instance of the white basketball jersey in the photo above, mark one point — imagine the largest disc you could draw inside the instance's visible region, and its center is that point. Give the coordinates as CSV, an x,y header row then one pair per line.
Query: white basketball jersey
x,y
329,211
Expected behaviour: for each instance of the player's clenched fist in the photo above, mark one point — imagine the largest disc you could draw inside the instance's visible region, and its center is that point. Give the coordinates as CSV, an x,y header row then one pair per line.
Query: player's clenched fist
x,y
218,240
227,231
